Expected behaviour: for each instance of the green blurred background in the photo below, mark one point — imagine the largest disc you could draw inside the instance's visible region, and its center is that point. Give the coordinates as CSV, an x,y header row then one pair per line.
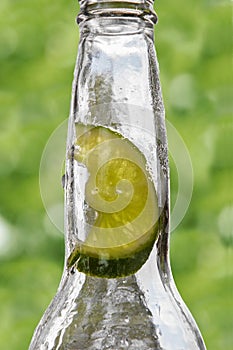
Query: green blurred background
x,y
38,52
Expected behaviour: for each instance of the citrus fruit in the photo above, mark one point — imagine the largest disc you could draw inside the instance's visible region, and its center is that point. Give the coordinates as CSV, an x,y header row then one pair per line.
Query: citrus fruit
x,y
123,197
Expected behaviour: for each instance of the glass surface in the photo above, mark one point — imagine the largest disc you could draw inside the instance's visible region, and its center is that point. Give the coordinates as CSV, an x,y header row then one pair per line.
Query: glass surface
x,y
117,291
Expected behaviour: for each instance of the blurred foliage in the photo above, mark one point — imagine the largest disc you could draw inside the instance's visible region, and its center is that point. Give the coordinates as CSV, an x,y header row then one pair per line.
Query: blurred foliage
x,y
38,51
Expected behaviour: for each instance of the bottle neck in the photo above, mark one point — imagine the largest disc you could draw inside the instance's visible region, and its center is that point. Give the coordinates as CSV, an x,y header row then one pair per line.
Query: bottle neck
x,y
116,9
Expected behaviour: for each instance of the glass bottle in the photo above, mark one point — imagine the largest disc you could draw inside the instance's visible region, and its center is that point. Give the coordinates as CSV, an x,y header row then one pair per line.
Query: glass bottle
x,y
117,290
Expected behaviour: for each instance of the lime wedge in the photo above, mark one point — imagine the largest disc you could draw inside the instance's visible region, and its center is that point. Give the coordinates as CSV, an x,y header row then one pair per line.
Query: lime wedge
x,y
124,199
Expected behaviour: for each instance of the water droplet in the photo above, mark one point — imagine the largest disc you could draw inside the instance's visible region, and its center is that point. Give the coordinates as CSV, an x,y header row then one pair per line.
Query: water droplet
x,y
95,191
124,342
63,180
77,148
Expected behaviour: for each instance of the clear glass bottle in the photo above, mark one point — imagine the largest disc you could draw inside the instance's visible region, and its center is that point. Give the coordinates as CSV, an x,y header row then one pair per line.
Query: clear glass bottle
x,y
117,290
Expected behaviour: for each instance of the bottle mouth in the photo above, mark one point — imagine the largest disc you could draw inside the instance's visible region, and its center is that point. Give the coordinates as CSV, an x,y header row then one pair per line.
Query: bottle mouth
x,y
110,8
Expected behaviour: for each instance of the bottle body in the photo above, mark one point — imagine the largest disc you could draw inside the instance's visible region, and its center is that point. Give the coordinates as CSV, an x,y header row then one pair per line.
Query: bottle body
x,y
117,293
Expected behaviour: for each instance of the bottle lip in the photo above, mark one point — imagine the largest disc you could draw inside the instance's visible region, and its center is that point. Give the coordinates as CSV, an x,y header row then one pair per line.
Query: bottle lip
x,y
116,8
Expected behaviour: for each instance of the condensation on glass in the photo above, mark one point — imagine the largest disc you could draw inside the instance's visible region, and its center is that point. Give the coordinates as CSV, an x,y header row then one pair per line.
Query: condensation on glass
x,y
109,297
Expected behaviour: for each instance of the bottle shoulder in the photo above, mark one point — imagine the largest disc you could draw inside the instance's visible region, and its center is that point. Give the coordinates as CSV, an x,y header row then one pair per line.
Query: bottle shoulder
x,y
114,313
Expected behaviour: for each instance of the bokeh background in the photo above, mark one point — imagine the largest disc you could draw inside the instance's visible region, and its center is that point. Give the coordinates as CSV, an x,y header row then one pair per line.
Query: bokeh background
x,y
37,53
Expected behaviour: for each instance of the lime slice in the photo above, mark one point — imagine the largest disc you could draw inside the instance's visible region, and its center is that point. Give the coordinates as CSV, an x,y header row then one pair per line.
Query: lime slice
x,y
124,199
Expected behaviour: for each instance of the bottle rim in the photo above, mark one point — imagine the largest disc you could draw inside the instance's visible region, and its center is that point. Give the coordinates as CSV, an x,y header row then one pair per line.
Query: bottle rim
x,y
115,8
